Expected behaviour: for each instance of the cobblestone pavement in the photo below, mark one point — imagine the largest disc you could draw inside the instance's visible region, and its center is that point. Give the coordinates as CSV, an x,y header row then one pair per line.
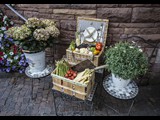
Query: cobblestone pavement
x,y
18,99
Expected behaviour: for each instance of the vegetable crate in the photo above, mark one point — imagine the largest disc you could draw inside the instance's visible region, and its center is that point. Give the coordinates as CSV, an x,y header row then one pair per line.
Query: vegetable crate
x,y
71,87
101,27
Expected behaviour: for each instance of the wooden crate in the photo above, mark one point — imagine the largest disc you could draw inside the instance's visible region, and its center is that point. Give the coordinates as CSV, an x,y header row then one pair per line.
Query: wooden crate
x,y
75,57
71,87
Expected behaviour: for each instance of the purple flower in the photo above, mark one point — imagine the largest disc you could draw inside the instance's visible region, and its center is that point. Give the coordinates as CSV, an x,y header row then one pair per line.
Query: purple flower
x,y
22,58
21,71
7,45
24,64
22,55
2,62
5,36
8,63
8,69
13,67
20,63
3,69
10,39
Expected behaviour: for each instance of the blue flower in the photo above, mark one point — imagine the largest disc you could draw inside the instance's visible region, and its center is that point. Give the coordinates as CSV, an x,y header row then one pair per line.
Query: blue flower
x,y
13,67
20,63
22,58
7,45
8,63
2,62
5,36
24,64
20,71
22,55
10,39
8,69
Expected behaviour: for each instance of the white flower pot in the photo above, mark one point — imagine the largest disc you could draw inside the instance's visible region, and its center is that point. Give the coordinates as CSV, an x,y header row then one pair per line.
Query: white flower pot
x,y
36,61
119,82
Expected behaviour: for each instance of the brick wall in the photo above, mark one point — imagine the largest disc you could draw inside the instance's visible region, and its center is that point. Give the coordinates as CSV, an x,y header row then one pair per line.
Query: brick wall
x,y
125,19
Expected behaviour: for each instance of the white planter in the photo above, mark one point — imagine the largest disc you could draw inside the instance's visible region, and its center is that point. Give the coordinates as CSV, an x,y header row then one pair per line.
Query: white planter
x,y
36,61
119,82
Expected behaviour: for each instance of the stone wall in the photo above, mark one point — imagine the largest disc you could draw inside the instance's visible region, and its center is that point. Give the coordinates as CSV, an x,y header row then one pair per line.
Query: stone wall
x,y
124,19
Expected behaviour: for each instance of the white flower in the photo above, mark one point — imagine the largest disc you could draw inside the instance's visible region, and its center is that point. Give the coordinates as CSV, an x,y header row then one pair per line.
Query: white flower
x,y
140,50
11,53
1,35
4,18
5,56
2,47
3,28
11,23
5,22
10,60
115,47
131,47
16,57
124,51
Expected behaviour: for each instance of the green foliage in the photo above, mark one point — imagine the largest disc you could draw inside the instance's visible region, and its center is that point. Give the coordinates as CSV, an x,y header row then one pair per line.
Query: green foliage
x,y
126,61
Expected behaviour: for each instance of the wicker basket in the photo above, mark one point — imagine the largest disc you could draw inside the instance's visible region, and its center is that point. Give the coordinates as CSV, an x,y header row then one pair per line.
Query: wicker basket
x,y
71,87
75,57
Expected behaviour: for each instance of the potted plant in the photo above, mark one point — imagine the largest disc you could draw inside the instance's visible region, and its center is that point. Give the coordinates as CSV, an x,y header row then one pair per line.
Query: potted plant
x,y
33,37
126,62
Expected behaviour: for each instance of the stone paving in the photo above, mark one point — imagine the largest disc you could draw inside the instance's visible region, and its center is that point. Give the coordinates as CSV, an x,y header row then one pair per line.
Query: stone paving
x,y
18,99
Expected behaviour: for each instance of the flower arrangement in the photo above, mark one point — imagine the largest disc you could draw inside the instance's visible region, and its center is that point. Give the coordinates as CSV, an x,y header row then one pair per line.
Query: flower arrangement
x,y
126,61
11,57
35,35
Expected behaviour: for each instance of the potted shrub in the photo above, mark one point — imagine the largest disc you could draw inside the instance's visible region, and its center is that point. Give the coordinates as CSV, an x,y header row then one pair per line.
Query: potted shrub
x,y
126,62
33,37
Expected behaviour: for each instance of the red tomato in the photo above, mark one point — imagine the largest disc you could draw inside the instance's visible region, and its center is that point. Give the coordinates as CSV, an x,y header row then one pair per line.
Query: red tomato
x,y
99,43
66,75
72,78
98,47
74,74
68,72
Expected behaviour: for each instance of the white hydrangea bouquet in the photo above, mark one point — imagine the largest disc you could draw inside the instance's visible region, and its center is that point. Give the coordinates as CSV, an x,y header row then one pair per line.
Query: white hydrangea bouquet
x,y
35,35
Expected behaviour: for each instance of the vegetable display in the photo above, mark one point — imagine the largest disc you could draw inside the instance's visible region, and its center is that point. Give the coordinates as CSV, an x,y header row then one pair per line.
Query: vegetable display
x,y
72,46
94,49
71,74
61,68
83,77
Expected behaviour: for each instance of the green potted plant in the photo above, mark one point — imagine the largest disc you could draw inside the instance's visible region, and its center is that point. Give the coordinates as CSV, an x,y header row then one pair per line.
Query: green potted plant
x,y
34,37
126,62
